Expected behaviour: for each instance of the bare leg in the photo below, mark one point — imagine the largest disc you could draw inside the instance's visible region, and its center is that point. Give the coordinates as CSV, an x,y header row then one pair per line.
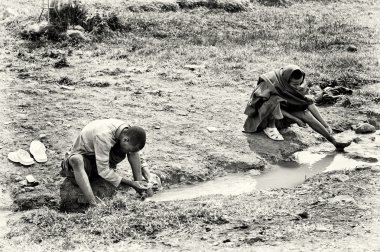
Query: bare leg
x,y
307,117
76,162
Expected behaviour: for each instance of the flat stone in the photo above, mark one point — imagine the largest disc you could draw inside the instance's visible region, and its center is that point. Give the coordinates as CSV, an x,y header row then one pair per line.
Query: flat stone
x,y
342,199
212,129
194,67
340,177
375,168
352,48
254,172
30,179
29,189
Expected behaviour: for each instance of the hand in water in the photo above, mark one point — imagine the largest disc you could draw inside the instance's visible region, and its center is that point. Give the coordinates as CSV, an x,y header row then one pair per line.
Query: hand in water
x,y
140,189
341,145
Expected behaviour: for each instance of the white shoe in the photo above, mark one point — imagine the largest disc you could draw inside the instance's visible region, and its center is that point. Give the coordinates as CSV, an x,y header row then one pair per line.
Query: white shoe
x,y
21,156
38,151
273,134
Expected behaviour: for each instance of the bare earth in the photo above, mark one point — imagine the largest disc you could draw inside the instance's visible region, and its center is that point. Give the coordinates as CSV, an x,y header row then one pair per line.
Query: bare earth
x,y
176,106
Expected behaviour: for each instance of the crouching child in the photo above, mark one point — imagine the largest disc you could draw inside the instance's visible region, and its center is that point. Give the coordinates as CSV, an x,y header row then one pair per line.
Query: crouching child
x,y
100,146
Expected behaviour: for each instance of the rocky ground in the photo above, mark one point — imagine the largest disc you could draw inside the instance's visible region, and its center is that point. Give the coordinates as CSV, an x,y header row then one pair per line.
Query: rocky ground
x,y
194,122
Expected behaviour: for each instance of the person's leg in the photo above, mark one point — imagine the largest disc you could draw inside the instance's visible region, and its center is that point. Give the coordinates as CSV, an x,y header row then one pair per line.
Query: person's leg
x,y
77,164
308,118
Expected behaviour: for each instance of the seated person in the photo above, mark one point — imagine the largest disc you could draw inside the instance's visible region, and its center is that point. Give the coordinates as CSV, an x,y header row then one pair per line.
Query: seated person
x,y
278,100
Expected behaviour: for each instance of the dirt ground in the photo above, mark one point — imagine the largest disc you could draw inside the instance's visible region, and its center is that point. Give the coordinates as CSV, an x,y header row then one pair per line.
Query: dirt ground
x,y
176,106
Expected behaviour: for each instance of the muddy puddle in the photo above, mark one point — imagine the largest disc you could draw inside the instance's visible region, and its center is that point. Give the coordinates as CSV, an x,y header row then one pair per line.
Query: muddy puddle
x,y
302,165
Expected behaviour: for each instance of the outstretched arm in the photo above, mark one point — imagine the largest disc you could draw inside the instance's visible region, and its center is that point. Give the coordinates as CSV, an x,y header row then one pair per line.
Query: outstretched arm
x,y
314,111
139,169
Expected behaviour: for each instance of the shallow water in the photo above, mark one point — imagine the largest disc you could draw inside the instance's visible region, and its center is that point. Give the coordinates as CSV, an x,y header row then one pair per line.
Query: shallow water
x,y
305,164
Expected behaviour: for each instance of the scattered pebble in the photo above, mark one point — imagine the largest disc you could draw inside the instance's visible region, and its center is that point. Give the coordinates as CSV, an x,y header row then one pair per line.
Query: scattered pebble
x,y
303,214
212,129
67,87
254,172
30,179
194,67
340,177
50,124
23,182
29,189
352,48
375,168
342,199
183,113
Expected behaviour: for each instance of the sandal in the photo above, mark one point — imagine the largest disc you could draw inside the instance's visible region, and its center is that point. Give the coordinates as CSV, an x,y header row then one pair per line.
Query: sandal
x,y
21,156
273,134
38,150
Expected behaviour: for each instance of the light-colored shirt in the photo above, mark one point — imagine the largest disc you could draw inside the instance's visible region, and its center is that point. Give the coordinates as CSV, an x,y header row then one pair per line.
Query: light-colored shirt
x,y
97,138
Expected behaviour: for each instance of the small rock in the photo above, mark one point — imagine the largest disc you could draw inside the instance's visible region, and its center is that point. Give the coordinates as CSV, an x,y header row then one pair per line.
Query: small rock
x,y
18,179
363,167
340,177
303,214
29,189
254,172
253,240
357,140
67,87
30,179
79,28
42,136
212,129
76,34
193,67
352,48
208,229
227,240
61,63
183,113
375,168
157,127
321,228
365,128
22,116
342,199
23,183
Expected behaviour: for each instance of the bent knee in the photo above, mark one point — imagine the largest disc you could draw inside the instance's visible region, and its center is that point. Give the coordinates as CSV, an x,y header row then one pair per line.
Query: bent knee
x,y
76,161
303,115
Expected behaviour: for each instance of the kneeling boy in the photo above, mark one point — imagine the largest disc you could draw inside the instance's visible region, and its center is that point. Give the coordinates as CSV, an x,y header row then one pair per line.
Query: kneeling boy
x,y
99,147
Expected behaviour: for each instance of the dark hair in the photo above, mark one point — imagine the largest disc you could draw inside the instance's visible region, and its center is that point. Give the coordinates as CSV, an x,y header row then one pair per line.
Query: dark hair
x,y
296,74
137,136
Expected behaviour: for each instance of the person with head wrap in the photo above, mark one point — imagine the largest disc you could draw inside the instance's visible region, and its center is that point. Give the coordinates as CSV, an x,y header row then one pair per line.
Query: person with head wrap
x,y
279,99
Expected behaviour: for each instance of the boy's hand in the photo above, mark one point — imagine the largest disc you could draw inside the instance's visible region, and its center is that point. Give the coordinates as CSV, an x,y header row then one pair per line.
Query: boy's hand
x,y
140,189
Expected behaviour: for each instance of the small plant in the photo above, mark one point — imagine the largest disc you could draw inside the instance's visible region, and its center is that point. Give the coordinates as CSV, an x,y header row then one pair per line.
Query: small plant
x,y
64,15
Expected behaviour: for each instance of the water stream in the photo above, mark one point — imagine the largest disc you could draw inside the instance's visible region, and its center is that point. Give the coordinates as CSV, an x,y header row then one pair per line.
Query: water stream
x,y
304,164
